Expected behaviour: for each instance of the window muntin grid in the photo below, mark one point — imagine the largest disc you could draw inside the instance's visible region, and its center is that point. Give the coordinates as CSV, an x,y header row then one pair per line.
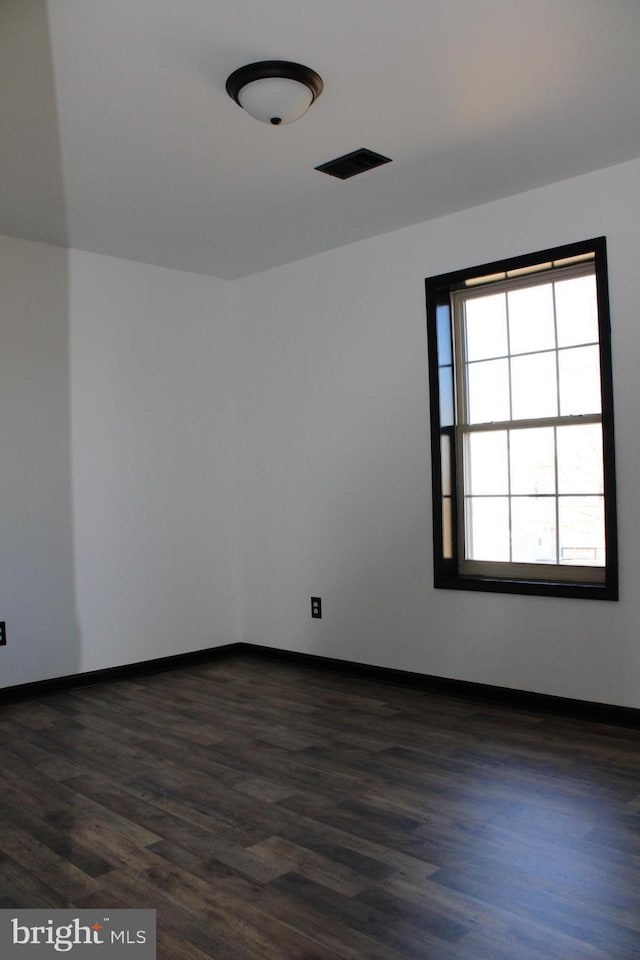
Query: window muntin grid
x,y
527,367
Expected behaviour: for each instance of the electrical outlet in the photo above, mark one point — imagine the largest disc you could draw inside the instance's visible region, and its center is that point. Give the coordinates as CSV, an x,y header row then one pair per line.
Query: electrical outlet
x,y
3,633
316,608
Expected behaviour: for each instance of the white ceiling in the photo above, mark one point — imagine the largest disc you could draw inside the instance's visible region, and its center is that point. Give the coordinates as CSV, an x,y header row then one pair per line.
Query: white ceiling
x,y
117,136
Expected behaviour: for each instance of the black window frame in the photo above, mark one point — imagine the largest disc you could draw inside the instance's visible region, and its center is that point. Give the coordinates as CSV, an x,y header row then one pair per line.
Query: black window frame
x,y
439,291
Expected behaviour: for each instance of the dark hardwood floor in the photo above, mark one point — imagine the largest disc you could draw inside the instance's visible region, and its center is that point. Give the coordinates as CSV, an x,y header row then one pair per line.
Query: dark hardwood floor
x,y
277,812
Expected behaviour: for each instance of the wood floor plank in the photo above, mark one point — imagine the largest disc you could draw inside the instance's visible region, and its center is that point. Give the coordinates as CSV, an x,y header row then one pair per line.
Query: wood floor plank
x,y
311,865
345,940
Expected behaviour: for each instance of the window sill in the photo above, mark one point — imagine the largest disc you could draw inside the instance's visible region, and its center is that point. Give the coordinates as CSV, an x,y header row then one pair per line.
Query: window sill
x,y
540,588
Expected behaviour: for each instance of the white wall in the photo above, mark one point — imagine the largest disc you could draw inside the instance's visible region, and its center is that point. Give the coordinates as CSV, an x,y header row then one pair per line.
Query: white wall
x,y
154,460
118,490
37,590
335,492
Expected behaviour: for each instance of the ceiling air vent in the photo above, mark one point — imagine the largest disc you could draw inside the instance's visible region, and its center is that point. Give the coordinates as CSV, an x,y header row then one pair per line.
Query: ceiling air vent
x,y
351,164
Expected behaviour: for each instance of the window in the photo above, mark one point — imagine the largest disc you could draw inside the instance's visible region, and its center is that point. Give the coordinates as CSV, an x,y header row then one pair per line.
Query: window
x,y
522,425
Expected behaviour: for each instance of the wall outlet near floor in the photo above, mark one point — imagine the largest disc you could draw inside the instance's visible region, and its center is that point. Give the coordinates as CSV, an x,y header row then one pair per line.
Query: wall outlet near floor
x,y
316,608
3,633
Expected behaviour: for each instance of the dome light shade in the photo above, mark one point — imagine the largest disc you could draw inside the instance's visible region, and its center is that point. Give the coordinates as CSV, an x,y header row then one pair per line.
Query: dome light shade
x,y
274,91
275,100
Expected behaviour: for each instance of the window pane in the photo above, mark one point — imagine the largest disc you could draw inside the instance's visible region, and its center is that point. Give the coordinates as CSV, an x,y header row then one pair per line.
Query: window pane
x,y
577,311
533,529
486,463
532,460
533,386
487,528
445,382
447,528
579,371
486,327
580,459
488,389
445,464
582,531
531,324
443,334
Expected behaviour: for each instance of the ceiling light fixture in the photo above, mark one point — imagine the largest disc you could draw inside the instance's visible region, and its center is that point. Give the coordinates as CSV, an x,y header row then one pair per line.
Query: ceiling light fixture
x,y
274,91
